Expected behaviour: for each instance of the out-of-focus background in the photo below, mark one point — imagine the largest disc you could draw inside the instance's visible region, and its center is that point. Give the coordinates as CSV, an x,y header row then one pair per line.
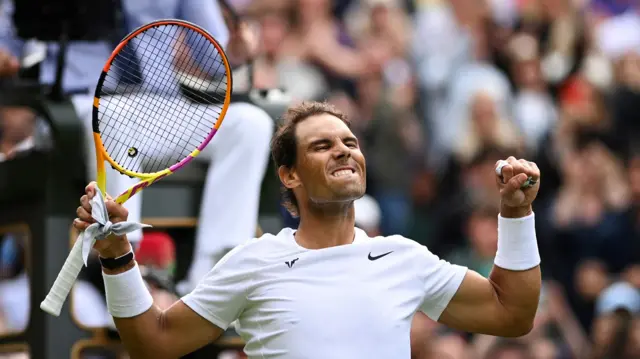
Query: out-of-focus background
x,y
438,91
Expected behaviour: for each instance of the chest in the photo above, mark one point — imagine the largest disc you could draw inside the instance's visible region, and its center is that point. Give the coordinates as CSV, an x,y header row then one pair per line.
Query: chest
x,y
371,286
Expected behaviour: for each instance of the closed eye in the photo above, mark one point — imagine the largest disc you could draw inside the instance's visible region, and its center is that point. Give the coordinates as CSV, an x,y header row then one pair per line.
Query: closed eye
x,y
320,145
351,142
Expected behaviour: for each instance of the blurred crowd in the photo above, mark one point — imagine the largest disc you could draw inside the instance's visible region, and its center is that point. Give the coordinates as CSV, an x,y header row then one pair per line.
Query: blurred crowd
x,y
438,91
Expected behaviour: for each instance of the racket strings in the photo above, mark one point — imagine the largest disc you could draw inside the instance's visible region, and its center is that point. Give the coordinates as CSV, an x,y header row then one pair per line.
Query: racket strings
x,y
146,123
154,72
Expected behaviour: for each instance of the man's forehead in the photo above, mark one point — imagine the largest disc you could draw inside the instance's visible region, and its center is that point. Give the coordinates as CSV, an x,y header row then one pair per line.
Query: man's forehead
x,y
323,125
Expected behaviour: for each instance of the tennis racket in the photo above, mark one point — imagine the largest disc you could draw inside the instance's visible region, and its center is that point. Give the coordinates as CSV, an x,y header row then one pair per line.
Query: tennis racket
x,y
146,123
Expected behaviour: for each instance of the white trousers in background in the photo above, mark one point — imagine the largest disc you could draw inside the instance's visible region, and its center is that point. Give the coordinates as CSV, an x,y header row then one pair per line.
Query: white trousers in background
x,y
238,156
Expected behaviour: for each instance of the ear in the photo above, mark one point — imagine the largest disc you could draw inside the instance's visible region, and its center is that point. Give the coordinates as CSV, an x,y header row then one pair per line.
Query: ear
x,y
289,177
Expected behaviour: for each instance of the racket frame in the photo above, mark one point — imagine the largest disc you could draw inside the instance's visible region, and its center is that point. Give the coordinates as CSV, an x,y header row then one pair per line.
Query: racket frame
x,y
101,153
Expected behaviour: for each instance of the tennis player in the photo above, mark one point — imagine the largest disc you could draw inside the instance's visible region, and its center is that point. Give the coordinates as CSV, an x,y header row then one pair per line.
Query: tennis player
x,y
328,290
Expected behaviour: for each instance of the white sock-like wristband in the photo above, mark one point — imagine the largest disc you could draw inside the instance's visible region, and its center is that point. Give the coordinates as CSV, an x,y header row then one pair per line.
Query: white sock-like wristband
x,y
127,294
517,243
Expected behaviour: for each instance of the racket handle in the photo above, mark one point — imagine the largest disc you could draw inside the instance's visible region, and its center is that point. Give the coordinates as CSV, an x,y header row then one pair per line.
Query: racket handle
x,y
58,293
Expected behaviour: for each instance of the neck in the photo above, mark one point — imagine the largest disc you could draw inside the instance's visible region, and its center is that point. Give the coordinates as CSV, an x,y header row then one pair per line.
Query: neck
x,y
326,226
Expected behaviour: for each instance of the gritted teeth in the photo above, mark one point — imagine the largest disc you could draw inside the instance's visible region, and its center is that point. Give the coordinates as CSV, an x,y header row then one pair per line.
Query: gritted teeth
x,y
343,172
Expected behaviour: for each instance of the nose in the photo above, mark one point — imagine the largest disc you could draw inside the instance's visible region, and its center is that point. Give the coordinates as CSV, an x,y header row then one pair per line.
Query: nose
x,y
342,151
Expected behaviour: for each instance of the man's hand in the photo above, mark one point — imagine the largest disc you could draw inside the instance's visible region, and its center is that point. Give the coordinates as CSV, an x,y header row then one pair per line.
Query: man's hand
x,y
9,64
511,177
112,246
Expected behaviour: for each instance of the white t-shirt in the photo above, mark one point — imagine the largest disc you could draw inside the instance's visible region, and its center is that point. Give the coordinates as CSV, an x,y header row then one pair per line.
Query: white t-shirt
x,y
351,301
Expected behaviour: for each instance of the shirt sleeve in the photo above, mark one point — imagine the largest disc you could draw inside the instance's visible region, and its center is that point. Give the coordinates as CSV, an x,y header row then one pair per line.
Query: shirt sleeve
x,y
440,279
222,295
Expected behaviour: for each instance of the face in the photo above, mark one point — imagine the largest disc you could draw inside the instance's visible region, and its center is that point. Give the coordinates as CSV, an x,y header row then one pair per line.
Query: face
x,y
379,17
330,167
484,114
591,279
273,30
310,10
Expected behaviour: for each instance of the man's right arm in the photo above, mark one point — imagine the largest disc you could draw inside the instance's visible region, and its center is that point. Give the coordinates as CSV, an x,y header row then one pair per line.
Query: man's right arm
x,y
189,324
170,333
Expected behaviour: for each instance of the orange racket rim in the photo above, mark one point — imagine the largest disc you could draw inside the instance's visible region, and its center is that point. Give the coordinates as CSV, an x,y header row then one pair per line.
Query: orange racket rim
x,y
105,70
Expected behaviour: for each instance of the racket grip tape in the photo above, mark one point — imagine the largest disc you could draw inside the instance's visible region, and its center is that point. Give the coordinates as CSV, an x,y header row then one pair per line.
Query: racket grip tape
x,y
61,288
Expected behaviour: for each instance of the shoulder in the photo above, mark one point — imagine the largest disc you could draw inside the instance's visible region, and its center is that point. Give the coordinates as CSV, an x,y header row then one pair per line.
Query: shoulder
x,y
394,239
397,242
259,250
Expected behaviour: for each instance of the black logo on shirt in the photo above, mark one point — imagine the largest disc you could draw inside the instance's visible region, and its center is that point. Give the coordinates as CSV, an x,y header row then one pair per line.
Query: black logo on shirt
x,y
291,263
372,258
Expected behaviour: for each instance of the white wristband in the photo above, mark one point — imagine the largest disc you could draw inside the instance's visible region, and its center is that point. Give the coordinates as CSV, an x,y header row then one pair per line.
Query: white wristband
x,y
517,243
127,294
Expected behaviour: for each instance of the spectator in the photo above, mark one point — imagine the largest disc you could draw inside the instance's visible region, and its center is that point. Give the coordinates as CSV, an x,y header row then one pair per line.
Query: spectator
x,y
482,241
274,68
13,280
615,331
156,255
486,127
533,107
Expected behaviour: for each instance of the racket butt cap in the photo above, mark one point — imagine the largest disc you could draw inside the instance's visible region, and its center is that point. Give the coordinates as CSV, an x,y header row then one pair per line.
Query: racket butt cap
x,y
50,307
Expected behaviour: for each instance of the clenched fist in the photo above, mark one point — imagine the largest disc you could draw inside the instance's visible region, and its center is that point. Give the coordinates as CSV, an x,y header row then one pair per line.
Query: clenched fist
x,y
518,182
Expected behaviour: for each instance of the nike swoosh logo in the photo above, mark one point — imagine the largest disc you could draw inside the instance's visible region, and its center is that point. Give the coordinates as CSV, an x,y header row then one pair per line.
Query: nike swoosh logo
x,y
372,258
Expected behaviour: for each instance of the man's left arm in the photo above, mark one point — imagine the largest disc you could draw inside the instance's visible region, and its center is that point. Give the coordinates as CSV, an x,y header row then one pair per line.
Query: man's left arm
x,y
504,304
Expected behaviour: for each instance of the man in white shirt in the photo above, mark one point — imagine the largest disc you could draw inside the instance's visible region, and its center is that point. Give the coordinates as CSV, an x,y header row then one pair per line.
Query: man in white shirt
x,y
328,290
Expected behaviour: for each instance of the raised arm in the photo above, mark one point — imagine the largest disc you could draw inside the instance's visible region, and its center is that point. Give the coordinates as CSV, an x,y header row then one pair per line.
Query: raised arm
x,y
505,304
145,330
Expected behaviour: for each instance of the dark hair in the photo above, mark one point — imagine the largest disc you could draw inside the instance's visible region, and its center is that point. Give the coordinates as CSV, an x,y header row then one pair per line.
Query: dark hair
x,y
284,143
